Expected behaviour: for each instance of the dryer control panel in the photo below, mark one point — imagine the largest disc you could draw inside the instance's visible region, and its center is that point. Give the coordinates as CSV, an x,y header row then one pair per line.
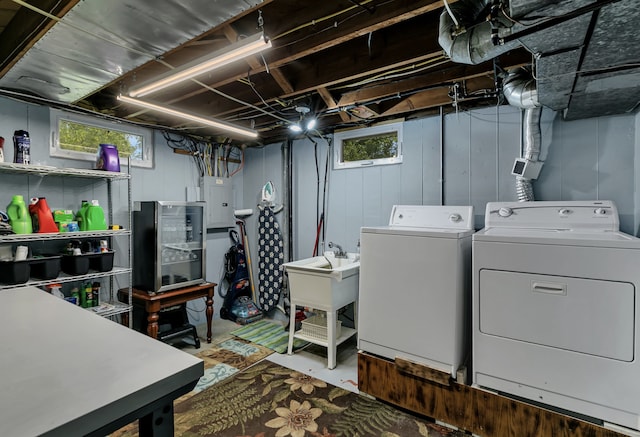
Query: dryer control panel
x,y
597,215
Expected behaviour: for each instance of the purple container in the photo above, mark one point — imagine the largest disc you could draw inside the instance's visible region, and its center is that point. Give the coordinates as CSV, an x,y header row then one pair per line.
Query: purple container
x,y
108,158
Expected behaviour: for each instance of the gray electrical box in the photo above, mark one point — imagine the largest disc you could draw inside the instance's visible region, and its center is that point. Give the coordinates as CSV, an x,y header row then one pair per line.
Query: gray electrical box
x,y
216,192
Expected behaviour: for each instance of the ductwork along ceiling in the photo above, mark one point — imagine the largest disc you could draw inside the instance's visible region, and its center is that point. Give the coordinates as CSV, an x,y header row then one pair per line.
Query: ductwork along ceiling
x,y
587,61
348,62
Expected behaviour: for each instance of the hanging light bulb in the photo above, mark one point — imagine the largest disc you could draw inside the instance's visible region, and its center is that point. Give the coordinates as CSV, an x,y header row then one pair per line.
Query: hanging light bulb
x,y
309,124
295,128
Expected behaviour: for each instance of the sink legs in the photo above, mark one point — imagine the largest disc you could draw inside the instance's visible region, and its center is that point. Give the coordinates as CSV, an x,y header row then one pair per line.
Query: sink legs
x,y
292,326
332,341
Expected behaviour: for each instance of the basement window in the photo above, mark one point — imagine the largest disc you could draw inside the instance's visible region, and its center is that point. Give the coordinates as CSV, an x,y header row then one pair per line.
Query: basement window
x,y
377,145
77,136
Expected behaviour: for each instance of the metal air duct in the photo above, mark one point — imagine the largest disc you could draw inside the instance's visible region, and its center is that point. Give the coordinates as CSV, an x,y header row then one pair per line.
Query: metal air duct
x,y
467,37
520,91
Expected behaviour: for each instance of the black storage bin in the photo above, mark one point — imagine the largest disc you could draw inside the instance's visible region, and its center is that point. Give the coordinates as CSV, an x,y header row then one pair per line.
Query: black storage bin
x,y
75,264
14,272
102,262
46,267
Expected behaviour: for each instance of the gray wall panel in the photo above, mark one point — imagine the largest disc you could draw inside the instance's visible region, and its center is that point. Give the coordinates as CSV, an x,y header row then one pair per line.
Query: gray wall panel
x,y
457,139
615,175
483,173
584,159
578,148
415,140
425,134
168,180
549,183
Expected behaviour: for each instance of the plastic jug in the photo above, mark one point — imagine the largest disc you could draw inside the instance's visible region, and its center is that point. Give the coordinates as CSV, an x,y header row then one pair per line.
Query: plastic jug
x,y
95,220
19,218
108,158
81,215
41,216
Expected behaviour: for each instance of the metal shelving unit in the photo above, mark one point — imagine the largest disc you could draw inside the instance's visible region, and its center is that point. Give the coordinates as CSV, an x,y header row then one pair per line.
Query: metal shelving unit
x,y
113,307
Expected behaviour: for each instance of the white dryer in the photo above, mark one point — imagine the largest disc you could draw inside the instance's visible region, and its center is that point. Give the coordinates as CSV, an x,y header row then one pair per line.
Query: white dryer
x,y
556,308
415,288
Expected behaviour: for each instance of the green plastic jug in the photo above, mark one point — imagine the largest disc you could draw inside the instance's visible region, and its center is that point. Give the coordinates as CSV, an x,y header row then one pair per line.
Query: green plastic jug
x,y
95,217
81,216
19,217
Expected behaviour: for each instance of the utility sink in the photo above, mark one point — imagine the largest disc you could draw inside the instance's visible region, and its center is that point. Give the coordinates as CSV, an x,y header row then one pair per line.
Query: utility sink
x,y
324,282
339,267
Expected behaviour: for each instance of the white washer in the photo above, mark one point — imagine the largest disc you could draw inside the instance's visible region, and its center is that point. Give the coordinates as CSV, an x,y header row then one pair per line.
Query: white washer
x,y
415,289
555,308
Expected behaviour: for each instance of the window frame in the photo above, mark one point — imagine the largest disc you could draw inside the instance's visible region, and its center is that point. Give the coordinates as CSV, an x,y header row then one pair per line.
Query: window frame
x,y
55,151
380,129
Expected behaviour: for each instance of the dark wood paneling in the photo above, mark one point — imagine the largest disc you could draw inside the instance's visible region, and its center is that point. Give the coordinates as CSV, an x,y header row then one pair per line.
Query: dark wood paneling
x,y
468,408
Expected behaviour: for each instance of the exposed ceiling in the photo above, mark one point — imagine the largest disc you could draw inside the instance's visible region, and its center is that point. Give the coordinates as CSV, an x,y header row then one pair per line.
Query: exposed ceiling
x,y
349,62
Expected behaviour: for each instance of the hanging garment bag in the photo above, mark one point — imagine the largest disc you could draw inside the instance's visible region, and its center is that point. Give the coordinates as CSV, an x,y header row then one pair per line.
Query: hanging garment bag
x,y
271,258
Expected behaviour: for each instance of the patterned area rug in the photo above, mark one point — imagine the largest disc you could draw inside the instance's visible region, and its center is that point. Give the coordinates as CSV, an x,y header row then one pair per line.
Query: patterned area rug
x,y
220,362
270,400
268,334
226,358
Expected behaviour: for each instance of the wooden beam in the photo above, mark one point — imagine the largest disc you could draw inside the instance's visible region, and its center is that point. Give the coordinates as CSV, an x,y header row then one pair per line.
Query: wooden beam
x,y
26,28
339,47
386,15
349,62
331,104
477,411
256,64
434,97
281,80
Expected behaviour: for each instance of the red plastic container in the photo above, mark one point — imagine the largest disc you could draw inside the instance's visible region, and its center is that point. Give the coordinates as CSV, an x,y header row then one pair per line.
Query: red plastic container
x,y
41,216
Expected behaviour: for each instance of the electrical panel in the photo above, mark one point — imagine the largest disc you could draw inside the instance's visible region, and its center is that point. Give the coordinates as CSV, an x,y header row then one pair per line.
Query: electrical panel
x,y
216,192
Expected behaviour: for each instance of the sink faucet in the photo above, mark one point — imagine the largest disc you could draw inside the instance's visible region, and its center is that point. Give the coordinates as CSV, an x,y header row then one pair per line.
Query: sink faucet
x,y
340,253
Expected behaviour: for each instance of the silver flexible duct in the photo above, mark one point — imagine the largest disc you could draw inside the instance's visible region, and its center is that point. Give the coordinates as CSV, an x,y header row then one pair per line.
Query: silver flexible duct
x,y
532,134
520,91
471,43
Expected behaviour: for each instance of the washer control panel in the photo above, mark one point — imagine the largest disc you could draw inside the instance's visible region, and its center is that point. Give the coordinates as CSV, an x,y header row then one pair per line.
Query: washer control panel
x,y
432,216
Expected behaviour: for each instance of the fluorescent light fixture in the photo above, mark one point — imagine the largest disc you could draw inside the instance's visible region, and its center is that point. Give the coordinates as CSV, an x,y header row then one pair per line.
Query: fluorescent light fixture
x,y
227,127
238,50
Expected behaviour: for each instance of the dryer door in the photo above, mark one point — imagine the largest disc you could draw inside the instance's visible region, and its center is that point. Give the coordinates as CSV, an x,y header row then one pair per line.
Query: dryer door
x,y
589,316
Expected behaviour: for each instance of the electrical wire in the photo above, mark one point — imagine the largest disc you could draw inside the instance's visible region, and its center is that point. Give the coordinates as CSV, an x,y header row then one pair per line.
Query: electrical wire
x,y
249,82
319,20
400,72
241,165
453,17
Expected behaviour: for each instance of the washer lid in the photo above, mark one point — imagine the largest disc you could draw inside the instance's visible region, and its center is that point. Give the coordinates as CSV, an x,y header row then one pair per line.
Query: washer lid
x,y
417,232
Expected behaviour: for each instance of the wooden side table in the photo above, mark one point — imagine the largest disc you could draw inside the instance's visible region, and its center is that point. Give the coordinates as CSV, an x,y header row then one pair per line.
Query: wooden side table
x,y
154,302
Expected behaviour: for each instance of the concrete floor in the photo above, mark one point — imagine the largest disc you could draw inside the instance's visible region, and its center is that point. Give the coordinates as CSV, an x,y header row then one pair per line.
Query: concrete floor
x,y
311,360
